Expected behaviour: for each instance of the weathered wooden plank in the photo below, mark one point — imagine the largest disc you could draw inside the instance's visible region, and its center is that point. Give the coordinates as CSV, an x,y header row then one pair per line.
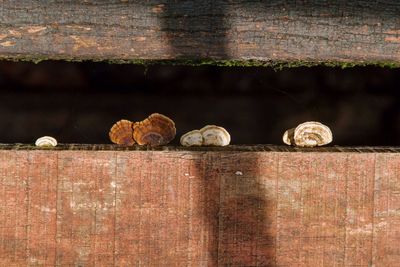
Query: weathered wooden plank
x,y
42,208
387,211
14,207
230,148
360,208
198,208
344,31
86,209
248,211
311,209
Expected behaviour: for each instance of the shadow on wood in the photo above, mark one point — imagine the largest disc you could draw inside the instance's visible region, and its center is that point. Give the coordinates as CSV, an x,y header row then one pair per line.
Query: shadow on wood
x,y
279,30
202,208
195,24
247,219
267,31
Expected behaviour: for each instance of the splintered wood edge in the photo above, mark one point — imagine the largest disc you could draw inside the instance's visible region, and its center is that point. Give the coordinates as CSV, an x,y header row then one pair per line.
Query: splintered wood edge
x,y
231,148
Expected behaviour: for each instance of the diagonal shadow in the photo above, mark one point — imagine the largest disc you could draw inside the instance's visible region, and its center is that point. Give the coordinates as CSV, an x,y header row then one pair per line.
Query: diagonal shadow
x,y
247,205
195,24
213,29
237,207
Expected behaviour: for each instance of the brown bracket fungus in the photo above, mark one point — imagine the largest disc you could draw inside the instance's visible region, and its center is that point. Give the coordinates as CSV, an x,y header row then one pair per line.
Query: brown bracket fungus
x,y
121,133
192,138
156,130
308,134
215,136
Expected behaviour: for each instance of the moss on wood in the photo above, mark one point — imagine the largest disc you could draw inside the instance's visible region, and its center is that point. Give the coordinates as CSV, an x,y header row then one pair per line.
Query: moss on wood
x,y
277,65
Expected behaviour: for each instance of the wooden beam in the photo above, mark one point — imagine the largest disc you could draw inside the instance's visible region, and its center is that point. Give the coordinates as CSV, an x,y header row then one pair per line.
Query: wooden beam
x,y
175,207
264,31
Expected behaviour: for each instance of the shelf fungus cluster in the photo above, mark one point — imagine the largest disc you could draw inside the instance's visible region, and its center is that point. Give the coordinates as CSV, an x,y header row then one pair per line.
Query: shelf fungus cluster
x,y
308,134
155,130
210,135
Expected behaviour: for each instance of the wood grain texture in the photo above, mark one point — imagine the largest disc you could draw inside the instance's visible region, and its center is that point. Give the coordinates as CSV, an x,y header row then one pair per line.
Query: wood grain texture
x,y
313,31
199,208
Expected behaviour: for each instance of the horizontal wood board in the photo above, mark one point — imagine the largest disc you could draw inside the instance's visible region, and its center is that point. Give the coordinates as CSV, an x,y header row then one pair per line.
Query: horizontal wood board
x,y
267,31
199,208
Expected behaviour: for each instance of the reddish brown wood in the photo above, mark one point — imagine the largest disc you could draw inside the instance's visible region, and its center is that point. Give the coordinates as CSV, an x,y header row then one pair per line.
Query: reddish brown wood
x,y
226,207
344,31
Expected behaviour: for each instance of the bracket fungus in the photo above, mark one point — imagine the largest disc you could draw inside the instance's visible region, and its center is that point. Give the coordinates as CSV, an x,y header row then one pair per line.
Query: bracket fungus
x,y
288,137
210,135
192,138
215,136
121,133
308,134
46,141
156,130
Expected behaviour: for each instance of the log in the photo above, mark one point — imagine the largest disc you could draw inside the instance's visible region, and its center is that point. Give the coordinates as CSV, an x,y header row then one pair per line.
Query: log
x,y
201,32
236,206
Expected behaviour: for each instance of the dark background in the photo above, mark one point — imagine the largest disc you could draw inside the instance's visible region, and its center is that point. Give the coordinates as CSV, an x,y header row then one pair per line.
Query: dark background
x,y
79,102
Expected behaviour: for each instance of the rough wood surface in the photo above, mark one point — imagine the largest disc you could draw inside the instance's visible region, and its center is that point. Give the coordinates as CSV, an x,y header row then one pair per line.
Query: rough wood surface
x,y
342,31
199,208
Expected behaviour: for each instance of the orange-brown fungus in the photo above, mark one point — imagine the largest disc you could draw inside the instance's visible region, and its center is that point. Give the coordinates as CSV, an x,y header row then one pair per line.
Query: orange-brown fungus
x,y
156,130
121,133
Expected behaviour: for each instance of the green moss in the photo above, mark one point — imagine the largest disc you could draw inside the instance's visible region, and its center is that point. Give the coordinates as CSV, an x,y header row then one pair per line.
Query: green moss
x,y
277,65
